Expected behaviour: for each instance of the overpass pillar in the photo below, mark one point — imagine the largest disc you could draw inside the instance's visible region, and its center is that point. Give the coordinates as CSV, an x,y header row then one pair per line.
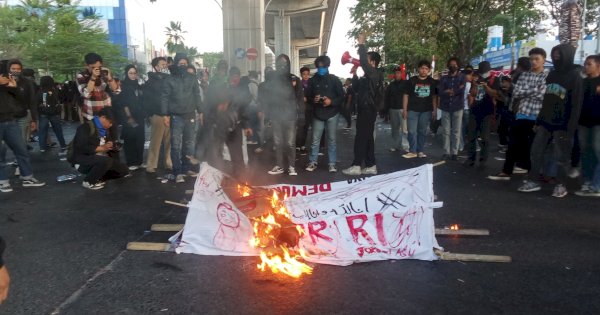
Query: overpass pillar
x,y
282,34
244,27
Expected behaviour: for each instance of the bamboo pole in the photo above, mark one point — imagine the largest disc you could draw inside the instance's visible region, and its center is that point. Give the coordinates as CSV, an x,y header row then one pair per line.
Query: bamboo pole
x,y
473,232
166,227
176,203
472,257
147,246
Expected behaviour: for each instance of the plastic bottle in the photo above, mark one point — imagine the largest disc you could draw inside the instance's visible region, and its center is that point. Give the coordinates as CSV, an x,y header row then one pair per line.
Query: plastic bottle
x,y
66,178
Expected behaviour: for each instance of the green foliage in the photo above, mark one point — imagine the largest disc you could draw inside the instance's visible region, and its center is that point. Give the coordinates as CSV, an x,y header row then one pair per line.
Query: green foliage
x,y
592,15
407,31
211,59
51,37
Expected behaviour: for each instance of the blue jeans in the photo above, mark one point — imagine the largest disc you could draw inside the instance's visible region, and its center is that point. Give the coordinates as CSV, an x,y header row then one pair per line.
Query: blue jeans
x,y
284,140
11,134
398,125
589,140
451,130
182,142
417,130
56,127
318,126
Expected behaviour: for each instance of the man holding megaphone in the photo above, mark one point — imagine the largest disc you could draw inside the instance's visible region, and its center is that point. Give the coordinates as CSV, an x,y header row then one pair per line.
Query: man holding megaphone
x,y
370,97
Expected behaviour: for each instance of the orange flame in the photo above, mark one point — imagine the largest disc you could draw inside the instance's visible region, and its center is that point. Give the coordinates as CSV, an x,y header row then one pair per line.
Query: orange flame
x,y
275,254
454,227
244,191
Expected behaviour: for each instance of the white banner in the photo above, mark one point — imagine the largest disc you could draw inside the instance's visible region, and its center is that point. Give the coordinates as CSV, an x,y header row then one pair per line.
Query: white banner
x,y
381,217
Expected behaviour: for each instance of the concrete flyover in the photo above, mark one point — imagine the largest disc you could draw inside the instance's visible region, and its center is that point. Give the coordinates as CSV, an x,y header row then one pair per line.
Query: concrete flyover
x,y
298,28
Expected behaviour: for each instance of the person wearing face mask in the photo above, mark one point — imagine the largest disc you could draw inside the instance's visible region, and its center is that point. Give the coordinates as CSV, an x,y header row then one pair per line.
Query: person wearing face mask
x,y
325,94
180,107
451,96
132,118
557,119
281,97
160,133
483,92
27,116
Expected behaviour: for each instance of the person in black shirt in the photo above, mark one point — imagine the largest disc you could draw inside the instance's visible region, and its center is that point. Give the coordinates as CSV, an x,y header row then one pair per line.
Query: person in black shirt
x,y
419,107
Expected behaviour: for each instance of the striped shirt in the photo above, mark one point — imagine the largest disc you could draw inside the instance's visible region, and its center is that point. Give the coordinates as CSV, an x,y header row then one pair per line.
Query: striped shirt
x,y
529,93
95,100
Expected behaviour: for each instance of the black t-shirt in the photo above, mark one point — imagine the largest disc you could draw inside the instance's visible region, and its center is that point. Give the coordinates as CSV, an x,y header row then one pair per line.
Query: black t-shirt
x,y
483,104
420,94
590,107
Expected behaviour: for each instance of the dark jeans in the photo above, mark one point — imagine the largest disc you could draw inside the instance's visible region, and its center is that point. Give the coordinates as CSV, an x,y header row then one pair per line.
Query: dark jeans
x,y
133,143
506,119
364,143
45,122
519,145
182,142
346,112
561,149
303,126
98,167
479,127
10,133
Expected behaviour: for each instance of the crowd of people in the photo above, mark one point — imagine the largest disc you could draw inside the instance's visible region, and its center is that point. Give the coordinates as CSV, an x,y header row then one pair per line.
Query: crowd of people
x,y
547,120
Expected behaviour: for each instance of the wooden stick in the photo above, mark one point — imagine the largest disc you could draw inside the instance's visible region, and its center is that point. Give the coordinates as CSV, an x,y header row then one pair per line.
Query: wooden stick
x,y
166,227
474,232
176,203
438,163
147,246
189,192
472,257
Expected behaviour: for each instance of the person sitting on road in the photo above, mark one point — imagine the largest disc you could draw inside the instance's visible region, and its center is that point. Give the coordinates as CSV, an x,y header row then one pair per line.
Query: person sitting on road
x,y
95,152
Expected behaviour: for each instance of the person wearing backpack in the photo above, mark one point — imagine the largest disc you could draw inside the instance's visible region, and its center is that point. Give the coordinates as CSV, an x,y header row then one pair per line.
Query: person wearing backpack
x,y
94,152
49,110
370,99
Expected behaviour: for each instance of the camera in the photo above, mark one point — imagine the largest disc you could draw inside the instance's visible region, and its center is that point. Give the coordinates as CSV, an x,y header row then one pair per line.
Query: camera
x,y
104,72
322,99
117,146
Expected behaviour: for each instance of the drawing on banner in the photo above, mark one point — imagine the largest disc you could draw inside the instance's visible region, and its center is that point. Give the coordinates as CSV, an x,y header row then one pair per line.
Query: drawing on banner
x,y
227,236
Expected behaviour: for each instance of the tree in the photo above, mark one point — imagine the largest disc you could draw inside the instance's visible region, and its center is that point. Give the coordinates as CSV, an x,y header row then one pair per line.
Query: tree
x,y
407,31
175,37
211,59
592,15
40,31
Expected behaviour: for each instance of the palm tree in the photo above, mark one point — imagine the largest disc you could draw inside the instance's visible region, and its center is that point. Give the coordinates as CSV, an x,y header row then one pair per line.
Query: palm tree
x,y
174,34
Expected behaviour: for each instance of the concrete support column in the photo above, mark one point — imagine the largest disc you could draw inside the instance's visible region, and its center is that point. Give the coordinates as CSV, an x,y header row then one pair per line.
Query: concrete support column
x,y
282,34
244,27
295,61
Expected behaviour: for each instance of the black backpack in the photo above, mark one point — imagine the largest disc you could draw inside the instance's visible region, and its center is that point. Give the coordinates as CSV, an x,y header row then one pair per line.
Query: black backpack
x,y
377,92
71,150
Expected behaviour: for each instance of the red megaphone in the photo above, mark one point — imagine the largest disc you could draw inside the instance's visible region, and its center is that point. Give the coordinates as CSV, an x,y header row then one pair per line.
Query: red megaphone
x,y
346,58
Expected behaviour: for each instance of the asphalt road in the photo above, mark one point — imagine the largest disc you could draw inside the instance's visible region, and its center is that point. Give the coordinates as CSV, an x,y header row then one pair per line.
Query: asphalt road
x,y
66,250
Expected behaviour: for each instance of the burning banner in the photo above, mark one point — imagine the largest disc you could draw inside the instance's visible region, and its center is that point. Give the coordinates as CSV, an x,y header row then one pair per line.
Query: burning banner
x,y
382,217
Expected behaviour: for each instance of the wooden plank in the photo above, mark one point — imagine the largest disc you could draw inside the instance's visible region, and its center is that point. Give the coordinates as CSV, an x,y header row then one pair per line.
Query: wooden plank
x,y
147,246
176,203
474,232
472,257
166,227
438,163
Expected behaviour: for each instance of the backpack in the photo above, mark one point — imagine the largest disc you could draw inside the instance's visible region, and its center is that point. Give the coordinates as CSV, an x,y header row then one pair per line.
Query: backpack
x,y
71,150
377,92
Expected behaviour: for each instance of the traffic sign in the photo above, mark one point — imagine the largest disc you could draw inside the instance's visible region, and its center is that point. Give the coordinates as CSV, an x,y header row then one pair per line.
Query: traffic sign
x,y
251,53
240,53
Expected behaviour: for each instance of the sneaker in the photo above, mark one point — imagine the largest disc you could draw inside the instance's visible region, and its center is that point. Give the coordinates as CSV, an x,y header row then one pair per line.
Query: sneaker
x,y
42,150
32,182
574,172
584,193
409,155
258,150
529,186
421,155
518,170
62,152
370,170
311,166
180,178
499,176
5,187
352,170
292,171
559,191
332,169
133,167
92,186
276,170
191,173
